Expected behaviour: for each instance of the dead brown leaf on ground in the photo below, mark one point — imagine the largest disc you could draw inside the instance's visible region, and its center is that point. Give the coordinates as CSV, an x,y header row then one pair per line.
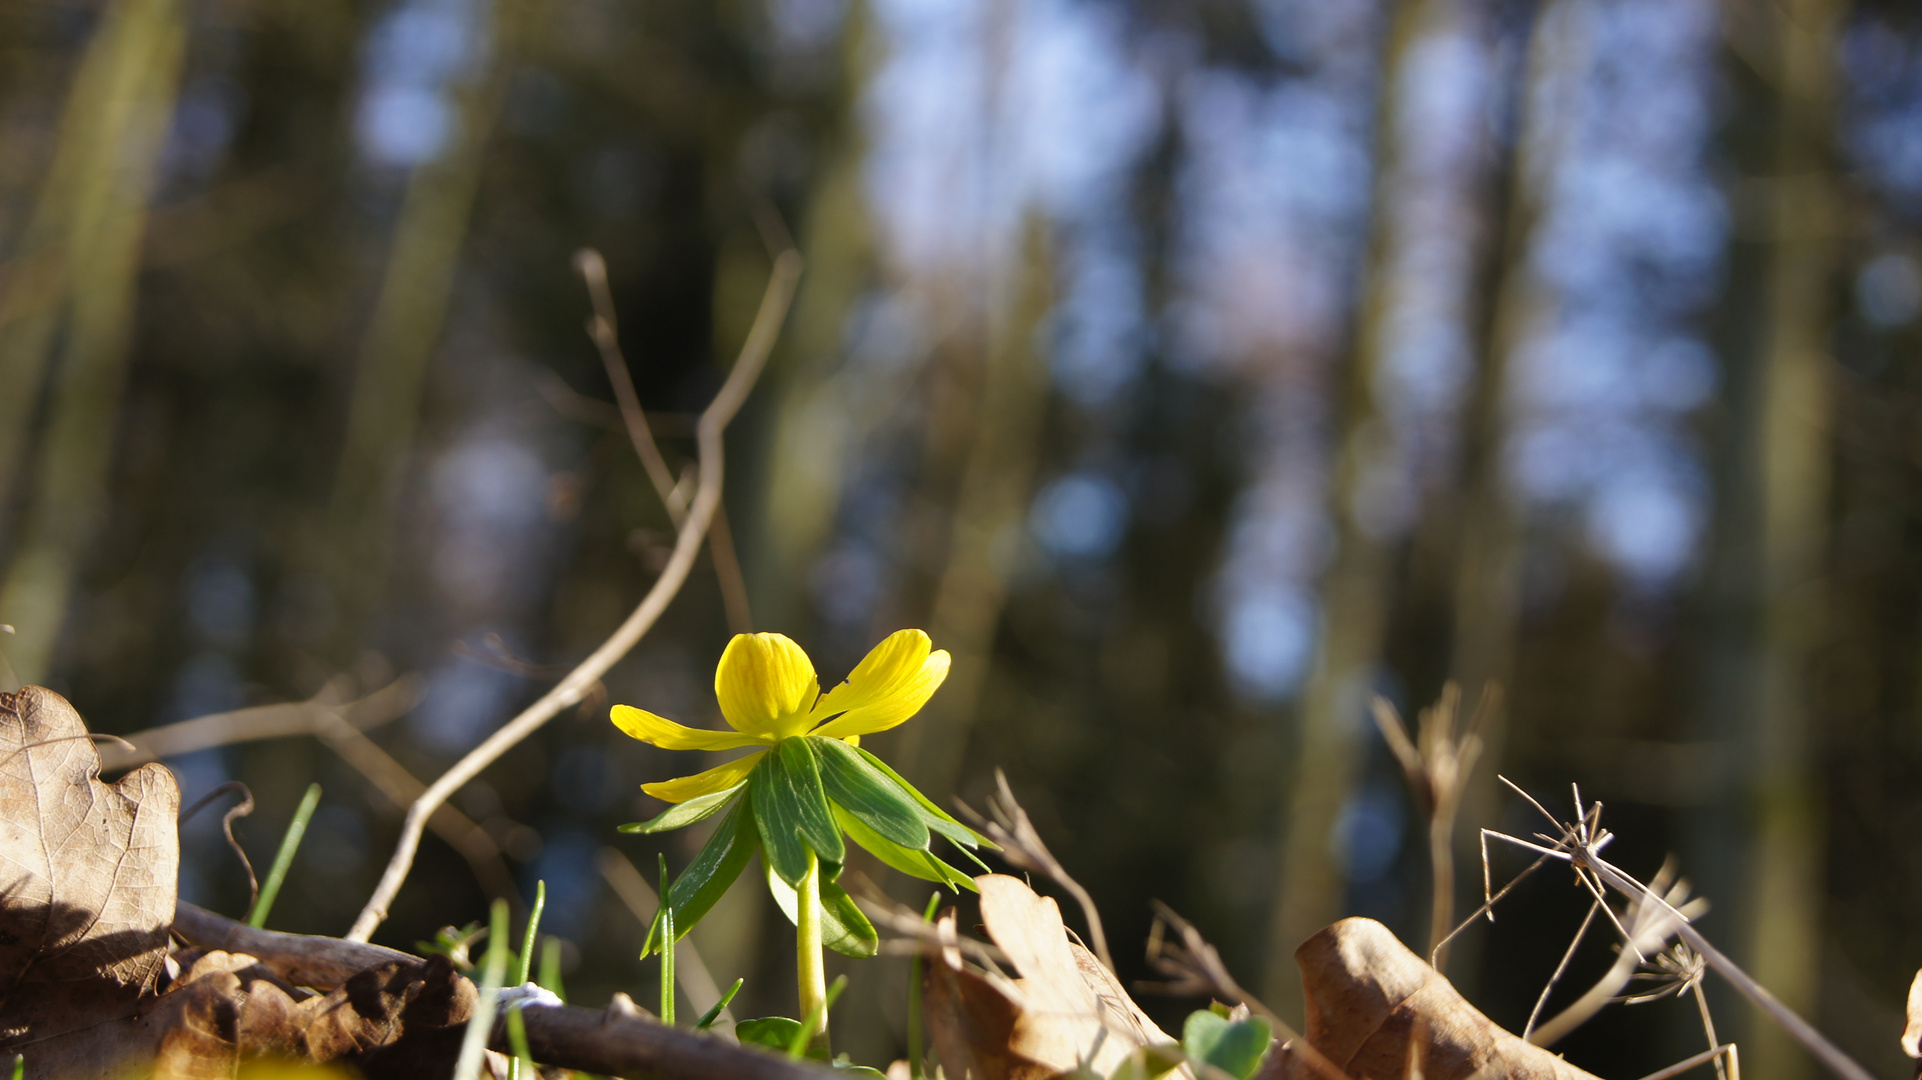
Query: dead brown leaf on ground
x,y
1376,1009
1064,1011
87,875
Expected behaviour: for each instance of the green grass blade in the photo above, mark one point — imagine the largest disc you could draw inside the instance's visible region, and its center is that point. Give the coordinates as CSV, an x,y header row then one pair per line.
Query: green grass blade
x,y
284,858
526,965
917,1053
707,1018
550,976
815,1016
516,1027
668,938
481,1024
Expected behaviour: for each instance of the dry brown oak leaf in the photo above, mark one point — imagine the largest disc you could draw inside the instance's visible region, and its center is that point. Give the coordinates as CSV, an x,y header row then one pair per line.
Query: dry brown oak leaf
x,y
1064,1007
1370,1000
401,1020
87,875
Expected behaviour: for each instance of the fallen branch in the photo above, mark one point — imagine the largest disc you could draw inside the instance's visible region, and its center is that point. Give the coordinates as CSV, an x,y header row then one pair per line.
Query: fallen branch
x,y
687,545
621,1040
301,959
309,717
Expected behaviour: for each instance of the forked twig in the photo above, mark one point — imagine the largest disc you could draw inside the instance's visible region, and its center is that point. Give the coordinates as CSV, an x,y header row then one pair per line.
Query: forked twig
x,y
1560,969
604,329
1008,826
1195,967
687,545
1589,859
239,810
1436,764
1649,929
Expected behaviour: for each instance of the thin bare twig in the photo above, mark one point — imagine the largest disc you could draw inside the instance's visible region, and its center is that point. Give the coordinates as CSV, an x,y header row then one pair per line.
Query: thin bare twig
x,y
687,545
1581,932
1196,966
268,722
1022,846
1650,927
604,329
1680,1067
393,780
727,568
1436,764
1589,858
239,810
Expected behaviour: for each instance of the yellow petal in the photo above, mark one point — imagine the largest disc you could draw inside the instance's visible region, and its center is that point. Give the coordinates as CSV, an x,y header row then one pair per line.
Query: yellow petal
x,y
892,684
765,683
719,778
668,735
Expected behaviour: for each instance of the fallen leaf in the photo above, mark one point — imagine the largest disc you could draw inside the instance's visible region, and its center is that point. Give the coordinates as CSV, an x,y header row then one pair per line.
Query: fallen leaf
x,y
1370,1000
87,875
398,1021
1064,1012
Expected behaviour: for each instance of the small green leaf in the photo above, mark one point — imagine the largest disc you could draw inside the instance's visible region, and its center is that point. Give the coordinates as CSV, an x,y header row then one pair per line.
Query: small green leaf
x,y
709,875
868,795
774,1033
1150,1063
936,818
686,813
1235,1047
920,864
843,927
792,809
863,1071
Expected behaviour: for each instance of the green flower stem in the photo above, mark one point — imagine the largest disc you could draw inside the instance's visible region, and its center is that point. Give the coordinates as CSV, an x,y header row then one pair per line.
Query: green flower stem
x,y
807,954
917,1054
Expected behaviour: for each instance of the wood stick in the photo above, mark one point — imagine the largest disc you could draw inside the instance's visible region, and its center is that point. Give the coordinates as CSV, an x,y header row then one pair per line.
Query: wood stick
x,y
570,690
621,1040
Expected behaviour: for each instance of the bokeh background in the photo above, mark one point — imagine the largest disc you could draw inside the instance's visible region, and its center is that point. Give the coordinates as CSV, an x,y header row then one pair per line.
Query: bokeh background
x,y
1192,369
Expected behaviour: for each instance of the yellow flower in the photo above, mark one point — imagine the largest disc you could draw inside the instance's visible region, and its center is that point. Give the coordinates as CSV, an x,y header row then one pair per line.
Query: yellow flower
x,y
769,692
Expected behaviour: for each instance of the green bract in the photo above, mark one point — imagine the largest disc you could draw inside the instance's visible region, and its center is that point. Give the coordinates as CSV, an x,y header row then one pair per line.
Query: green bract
x,y
806,795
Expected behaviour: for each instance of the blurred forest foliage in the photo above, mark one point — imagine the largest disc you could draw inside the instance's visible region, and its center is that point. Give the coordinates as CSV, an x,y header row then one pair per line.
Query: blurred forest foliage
x,y
1192,369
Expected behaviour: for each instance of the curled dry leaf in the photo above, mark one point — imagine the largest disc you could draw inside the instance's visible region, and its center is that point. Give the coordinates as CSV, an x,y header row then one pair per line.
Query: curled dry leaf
x,y
398,1021
1065,1011
87,875
1374,1007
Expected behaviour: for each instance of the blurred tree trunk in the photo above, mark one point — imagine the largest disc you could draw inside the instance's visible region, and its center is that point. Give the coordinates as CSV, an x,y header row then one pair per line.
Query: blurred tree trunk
x,y
1488,527
84,246
1327,750
997,480
817,424
409,313
1766,602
